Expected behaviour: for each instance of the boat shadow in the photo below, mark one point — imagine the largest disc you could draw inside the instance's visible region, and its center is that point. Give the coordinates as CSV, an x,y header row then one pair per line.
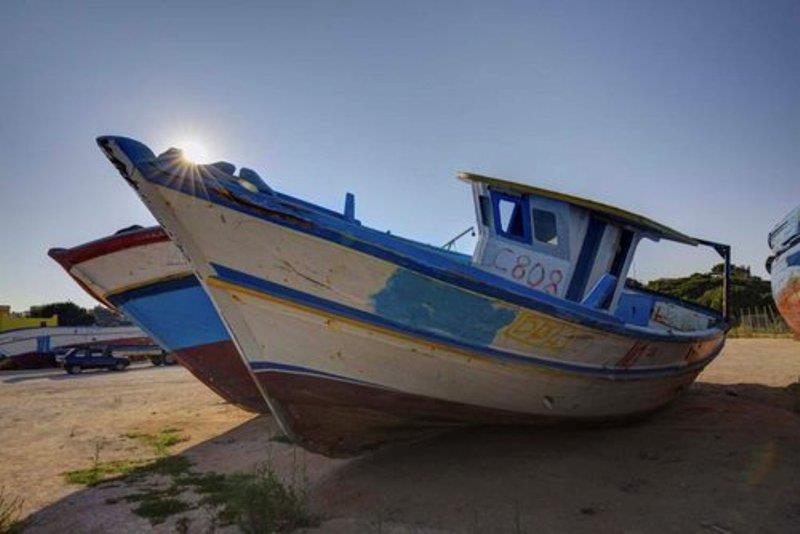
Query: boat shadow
x,y
698,462
698,459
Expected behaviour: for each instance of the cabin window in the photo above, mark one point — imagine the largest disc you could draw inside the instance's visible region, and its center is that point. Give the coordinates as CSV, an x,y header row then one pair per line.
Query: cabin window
x,y
509,217
551,226
486,210
545,229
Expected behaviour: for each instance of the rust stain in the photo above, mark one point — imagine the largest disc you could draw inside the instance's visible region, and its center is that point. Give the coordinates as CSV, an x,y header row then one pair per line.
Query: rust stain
x,y
635,353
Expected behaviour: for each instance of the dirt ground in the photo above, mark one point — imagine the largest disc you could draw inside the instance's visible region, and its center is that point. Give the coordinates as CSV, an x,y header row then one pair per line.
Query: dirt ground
x,y
723,458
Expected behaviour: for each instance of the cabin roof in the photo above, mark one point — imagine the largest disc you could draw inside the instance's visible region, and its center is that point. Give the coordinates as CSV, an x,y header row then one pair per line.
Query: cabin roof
x,y
626,217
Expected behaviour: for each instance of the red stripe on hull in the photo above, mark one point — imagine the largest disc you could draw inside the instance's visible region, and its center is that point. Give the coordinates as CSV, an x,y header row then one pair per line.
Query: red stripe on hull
x,y
68,257
107,245
219,366
141,340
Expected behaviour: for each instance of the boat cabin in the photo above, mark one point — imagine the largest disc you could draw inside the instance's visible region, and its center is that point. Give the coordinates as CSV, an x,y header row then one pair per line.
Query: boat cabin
x,y
575,249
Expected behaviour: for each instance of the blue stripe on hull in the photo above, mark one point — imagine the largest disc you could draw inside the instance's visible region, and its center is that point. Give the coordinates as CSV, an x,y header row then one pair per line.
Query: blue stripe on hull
x,y
264,366
177,313
270,288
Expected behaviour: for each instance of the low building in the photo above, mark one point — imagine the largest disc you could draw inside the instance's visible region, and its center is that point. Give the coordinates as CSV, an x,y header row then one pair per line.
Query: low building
x,y
12,321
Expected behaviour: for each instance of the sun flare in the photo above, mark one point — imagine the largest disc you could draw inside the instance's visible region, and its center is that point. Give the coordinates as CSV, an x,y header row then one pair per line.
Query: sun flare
x,y
193,150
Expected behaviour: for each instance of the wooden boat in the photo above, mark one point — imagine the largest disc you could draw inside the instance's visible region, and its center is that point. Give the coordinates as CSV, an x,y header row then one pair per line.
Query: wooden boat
x,y
784,268
34,348
141,272
359,337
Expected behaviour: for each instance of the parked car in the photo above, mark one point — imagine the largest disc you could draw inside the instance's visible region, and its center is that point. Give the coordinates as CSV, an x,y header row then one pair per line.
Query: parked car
x,y
82,358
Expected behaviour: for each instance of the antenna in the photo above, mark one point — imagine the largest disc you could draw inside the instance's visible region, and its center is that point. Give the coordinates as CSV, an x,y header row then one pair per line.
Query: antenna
x,y
449,244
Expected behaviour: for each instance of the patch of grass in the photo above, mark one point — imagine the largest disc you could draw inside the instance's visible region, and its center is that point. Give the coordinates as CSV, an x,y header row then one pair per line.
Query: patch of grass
x,y
171,466
106,471
157,504
161,441
257,502
747,333
158,510
206,483
102,471
10,507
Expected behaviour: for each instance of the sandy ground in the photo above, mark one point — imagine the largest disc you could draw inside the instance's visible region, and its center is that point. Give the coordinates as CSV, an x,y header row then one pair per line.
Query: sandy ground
x,y
723,458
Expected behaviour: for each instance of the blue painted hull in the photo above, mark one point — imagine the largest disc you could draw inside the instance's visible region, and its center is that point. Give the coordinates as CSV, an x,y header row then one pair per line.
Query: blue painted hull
x,y
181,318
176,313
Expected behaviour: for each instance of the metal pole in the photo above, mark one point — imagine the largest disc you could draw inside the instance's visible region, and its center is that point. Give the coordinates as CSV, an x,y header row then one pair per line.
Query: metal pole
x,y
725,252
449,244
726,284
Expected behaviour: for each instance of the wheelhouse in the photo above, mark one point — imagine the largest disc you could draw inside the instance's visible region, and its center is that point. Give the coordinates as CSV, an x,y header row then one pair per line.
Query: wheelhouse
x,y
578,250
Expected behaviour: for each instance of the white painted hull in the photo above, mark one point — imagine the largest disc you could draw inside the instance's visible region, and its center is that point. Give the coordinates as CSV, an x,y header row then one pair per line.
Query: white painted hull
x,y
132,268
142,273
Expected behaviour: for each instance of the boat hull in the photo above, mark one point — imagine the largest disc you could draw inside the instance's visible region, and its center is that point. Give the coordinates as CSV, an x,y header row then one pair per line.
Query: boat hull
x,y
144,275
344,386
179,314
786,286
355,347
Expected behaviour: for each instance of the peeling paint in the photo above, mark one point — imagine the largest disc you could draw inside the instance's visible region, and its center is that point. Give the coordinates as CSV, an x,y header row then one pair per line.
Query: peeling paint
x,y
421,302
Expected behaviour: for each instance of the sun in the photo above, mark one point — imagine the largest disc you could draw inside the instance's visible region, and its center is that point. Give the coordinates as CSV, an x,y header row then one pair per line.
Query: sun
x,y
193,150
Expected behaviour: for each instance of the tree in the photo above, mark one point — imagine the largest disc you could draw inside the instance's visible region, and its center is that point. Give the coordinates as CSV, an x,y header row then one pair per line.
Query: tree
x,y
69,313
105,317
747,291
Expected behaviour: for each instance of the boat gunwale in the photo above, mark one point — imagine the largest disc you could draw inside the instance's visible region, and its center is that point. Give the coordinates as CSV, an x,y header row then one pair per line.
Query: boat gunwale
x,y
69,257
72,257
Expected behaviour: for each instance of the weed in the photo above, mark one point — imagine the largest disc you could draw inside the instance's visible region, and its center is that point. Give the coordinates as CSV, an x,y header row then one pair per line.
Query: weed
x,y
99,443
9,513
255,502
171,466
260,502
161,441
102,471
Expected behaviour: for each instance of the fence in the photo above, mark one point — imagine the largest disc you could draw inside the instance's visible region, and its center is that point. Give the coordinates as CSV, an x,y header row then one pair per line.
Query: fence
x,y
762,321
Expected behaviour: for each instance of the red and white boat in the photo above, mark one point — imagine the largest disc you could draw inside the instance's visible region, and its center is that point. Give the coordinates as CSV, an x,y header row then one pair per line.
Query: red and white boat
x,y
142,273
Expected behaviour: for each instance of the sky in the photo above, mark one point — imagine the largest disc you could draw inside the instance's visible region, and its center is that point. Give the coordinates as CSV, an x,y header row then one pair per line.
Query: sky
x,y
686,112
